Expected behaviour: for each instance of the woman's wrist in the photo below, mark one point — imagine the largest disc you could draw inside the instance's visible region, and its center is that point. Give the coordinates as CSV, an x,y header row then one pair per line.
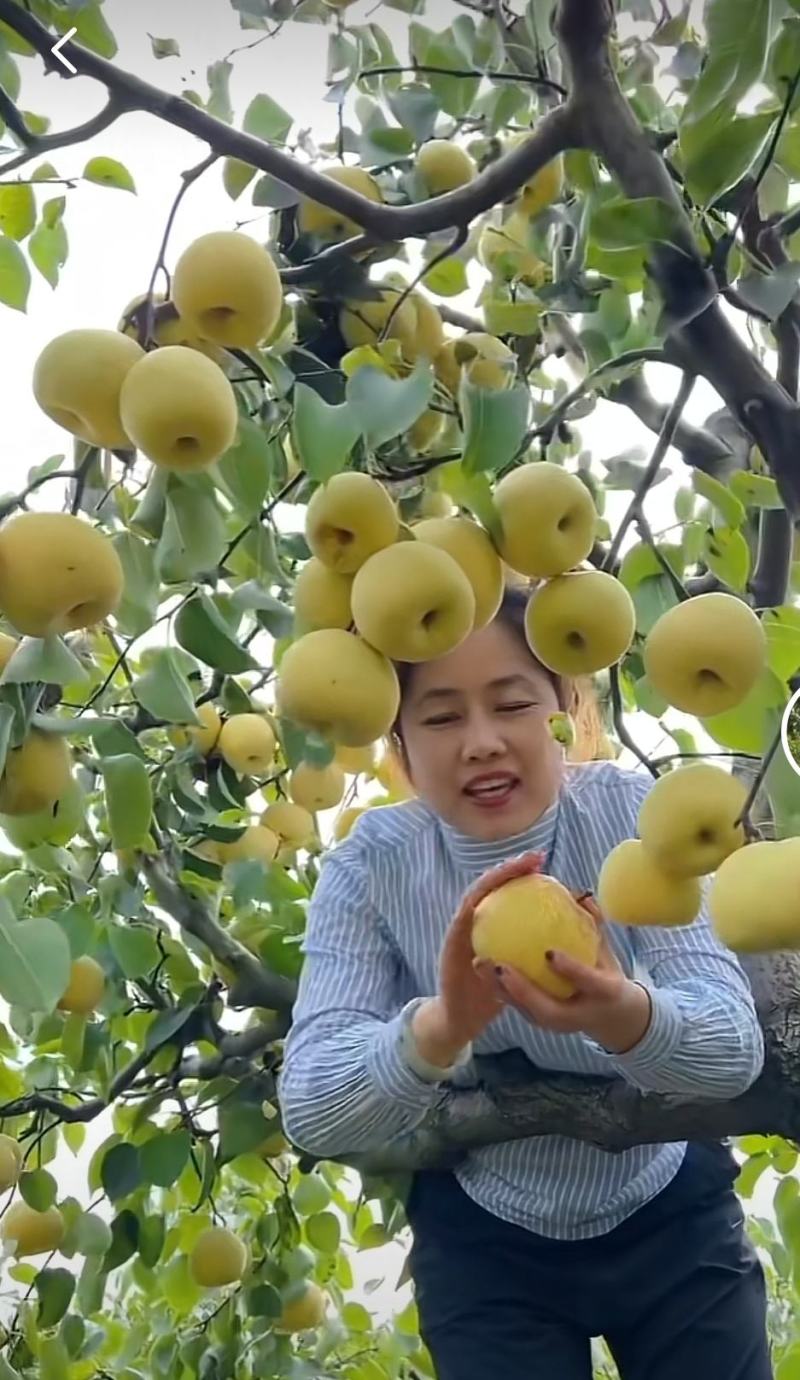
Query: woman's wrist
x,y
627,1022
434,1037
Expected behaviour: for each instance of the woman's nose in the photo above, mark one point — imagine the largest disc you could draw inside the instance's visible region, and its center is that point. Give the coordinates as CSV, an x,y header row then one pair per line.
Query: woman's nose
x,y
483,738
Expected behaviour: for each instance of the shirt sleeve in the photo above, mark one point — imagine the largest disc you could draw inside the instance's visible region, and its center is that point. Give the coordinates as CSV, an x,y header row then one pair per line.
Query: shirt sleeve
x,y
345,1085
704,1039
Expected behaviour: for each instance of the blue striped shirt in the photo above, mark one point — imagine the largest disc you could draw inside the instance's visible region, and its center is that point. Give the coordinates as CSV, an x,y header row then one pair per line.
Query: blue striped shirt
x,y
376,923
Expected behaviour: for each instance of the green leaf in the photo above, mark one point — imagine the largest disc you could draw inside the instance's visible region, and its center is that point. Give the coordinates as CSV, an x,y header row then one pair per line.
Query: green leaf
x,y
242,1127
236,175
755,490
46,659
386,407
164,1158
15,276
323,435
165,47
323,1232
268,191
454,94
17,210
219,101
164,690
34,961
141,588
727,555
53,1360
267,120
54,1289
135,949
448,278
124,1233
92,1235
48,249
652,598
782,785
738,33
129,800
107,172
201,629
745,729
151,1240
93,31
627,224
782,628
246,469
495,422
120,1171
414,106
39,1189
261,1302
717,155
731,508
193,537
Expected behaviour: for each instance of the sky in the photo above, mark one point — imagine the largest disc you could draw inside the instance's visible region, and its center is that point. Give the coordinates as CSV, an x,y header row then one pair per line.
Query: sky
x,y
114,239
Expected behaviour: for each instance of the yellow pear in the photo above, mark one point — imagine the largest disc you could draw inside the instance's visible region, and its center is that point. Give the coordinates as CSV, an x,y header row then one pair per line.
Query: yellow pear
x,y
77,380
633,890
57,574
428,330
228,289
754,899
349,519
322,597
472,548
273,1145
333,683
580,622
169,328
317,788
520,922
362,320
413,602
426,429
11,1157
30,1232
504,251
293,824
687,821
247,743
547,518
179,409
390,774
486,361
256,844
86,986
331,226
56,825
345,820
435,504
203,736
303,1311
356,761
706,654
36,774
544,187
443,166
218,1257
8,646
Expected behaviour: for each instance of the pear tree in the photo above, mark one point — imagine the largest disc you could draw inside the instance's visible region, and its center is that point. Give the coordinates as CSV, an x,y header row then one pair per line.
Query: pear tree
x,y
320,438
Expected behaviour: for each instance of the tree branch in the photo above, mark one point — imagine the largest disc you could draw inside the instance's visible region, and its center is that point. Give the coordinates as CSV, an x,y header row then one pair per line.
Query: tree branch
x,y
515,1100
700,448
254,984
523,78
36,145
555,133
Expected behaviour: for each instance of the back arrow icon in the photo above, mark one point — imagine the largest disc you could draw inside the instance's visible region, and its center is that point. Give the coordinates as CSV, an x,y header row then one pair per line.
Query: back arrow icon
x,y
57,53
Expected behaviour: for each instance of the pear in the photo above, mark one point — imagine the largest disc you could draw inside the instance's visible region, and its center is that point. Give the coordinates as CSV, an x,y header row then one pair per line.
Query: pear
x,y
36,774
77,380
443,166
57,574
86,986
29,1232
322,597
706,654
247,744
258,843
754,899
333,683
204,735
633,890
580,622
356,761
520,922
472,549
413,602
228,290
362,320
349,519
303,1309
428,329
179,408
547,518
292,823
687,821
331,226
486,361
317,788
218,1257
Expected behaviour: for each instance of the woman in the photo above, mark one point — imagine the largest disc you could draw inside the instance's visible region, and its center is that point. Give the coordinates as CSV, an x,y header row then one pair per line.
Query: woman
x,y
532,1247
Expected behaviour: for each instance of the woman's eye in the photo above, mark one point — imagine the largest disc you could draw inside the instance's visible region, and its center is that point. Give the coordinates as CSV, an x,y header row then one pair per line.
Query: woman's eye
x,y
440,719
511,708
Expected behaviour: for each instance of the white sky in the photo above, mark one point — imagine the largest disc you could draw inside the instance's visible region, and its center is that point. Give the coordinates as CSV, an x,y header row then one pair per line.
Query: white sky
x,y
114,238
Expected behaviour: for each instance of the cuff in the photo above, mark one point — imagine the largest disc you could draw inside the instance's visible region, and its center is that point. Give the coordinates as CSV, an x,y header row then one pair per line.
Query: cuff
x,y
393,1075
659,1042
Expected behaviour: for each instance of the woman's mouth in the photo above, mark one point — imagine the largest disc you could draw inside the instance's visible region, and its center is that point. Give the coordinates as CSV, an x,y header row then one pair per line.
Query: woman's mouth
x,y
492,791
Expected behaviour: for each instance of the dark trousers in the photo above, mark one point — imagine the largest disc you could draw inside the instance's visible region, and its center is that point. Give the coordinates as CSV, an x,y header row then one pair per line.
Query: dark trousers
x,y
676,1290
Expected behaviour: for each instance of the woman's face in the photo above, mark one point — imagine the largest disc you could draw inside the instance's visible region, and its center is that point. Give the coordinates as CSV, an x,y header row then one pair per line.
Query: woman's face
x,y
478,748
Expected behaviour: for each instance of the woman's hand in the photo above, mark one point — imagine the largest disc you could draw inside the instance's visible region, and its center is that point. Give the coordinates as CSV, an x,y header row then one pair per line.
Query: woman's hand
x,y
467,1002
606,1005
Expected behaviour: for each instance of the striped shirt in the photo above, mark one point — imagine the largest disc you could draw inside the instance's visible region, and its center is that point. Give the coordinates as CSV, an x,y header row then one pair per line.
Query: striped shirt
x,y
376,923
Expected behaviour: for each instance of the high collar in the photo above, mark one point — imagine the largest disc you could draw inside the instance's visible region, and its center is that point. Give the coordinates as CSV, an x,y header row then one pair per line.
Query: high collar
x,y
477,855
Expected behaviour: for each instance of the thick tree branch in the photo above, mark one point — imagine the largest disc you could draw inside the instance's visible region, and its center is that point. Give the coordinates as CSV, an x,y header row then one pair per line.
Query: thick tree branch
x,y
700,448
36,145
255,985
556,132
515,1100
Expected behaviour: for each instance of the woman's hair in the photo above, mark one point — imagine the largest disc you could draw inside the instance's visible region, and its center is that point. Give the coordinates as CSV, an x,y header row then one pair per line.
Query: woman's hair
x,y
576,696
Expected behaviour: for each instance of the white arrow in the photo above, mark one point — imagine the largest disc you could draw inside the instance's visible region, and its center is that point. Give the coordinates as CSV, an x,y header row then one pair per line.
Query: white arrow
x,y
57,53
